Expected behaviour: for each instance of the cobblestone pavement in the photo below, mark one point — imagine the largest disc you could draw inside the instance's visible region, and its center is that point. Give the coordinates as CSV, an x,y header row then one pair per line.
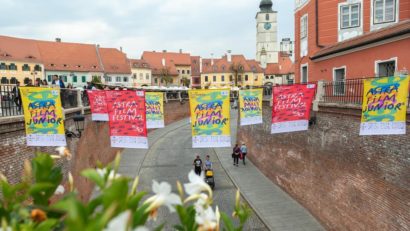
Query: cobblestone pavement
x,y
170,159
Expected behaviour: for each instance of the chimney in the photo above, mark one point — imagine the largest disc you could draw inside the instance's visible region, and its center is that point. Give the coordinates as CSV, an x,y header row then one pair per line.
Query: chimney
x,y
58,40
98,45
163,62
180,51
229,56
164,51
121,49
212,59
200,65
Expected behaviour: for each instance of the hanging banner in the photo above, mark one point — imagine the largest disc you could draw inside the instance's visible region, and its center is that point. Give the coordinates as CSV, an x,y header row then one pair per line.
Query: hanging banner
x,y
210,118
291,107
126,110
384,106
98,105
250,106
43,116
154,103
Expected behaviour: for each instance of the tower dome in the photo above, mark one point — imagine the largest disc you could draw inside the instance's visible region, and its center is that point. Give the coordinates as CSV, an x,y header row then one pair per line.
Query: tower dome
x,y
266,6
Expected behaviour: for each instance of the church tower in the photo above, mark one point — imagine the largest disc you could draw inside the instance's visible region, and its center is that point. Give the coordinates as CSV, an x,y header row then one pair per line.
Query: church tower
x,y
266,34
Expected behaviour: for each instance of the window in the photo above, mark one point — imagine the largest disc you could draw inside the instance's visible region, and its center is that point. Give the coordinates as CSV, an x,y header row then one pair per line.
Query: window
x,y
134,76
179,71
231,78
246,78
49,77
118,79
304,74
214,78
4,80
74,78
223,78
108,78
386,68
125,79
26,67
155,80
141,76
267,77
26,80
147,76
13,67
206,78
303,26
239,78
162,80
350,16
187,71
339,78
13,80
384,11
83,79
272,77
3,66
37,68
183,71
64,78
267,17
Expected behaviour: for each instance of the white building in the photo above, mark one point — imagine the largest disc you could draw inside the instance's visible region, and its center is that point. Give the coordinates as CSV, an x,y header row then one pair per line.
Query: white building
x,y
266,35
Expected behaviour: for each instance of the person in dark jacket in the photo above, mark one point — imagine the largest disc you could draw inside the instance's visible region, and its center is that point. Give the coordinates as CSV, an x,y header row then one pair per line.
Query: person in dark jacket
x,y
236,153
17,95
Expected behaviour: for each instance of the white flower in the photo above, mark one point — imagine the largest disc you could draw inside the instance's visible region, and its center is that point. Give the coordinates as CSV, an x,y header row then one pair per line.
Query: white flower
x,y
111,176
60,190
141,228
119,222
207,219
196,185
62,152
163,196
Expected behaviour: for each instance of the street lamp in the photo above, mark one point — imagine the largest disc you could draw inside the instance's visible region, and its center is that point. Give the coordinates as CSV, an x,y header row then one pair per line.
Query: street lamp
x,y
79,126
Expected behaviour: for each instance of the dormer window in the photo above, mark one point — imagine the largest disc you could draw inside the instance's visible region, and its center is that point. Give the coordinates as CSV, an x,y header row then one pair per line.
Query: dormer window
x,y
53,65
65,65
78,66
94,67
30,57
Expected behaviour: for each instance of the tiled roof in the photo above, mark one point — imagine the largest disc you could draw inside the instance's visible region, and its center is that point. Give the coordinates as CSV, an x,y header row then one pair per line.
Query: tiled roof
x,y
62,56
171,59
223,66
283,67
139,63
114,61
17,49
398,29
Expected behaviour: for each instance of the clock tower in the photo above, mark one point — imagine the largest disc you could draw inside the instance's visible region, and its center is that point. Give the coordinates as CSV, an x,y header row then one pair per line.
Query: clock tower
x,y
266,34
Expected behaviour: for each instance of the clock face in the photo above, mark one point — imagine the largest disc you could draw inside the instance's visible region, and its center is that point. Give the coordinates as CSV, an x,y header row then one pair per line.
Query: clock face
x,y
267,26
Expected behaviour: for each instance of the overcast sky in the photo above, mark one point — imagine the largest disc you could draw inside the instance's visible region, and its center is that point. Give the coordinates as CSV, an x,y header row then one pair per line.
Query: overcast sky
x,y
200,27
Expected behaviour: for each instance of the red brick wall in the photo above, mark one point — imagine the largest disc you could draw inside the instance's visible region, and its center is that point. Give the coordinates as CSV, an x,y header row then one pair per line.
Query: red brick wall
x,y
93,146
348,182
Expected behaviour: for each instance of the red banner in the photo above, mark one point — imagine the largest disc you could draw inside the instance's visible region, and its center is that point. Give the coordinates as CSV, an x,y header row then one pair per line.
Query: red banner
x,y
291,107
98,105
128,127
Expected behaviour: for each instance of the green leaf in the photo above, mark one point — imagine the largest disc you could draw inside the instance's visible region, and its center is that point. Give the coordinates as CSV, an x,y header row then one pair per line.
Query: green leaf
x,y
46,225
93,175
77,217
134,201
227,222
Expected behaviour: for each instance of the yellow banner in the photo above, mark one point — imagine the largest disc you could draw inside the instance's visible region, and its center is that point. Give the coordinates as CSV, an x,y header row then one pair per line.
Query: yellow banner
x,y
384,106
154,103
210,118
250,106
43,116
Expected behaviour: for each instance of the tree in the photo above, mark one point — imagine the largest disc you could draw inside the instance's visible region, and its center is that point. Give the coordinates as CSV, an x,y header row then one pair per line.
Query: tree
x,y
185,82
165,75
236,69
96,81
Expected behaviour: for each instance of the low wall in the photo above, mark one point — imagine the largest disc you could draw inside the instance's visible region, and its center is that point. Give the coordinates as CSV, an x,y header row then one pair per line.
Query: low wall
x,y
93,147
347,181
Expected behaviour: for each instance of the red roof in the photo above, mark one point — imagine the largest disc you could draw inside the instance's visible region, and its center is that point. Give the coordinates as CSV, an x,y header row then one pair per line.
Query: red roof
x,y
62,56
283,67
223,66
171,59
17,49
114,61
394,30
139,63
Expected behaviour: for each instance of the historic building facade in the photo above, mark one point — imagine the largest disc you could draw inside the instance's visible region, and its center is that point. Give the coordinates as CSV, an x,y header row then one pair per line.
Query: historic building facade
x,y
141,73
266,34
339,40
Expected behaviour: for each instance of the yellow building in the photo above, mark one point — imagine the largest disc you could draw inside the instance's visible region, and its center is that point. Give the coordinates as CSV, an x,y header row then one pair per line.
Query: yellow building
x,y
140,73
19,60
225,72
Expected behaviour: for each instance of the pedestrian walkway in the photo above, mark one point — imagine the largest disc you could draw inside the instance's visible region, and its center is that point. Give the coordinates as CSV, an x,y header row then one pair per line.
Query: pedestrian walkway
x,y
275,207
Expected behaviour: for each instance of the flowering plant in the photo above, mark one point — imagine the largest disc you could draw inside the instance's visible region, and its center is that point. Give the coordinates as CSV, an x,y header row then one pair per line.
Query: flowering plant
x,y
26,205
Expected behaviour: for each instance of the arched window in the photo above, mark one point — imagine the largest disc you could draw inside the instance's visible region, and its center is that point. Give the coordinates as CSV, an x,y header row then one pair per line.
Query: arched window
x,y
13,80
267,17
37,68
4,80
26,80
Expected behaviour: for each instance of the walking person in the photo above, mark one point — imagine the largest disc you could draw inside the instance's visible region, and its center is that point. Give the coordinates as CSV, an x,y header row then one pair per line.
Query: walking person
x,y
236,153
17,96
208,163
197,165
71,94
244,151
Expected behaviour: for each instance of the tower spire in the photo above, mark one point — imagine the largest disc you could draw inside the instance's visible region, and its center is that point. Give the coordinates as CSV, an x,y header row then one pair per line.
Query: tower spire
x,y
266,6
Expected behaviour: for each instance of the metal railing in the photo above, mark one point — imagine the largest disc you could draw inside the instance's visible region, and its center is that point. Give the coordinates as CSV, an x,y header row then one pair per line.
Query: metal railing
x,y
11,105
347,92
